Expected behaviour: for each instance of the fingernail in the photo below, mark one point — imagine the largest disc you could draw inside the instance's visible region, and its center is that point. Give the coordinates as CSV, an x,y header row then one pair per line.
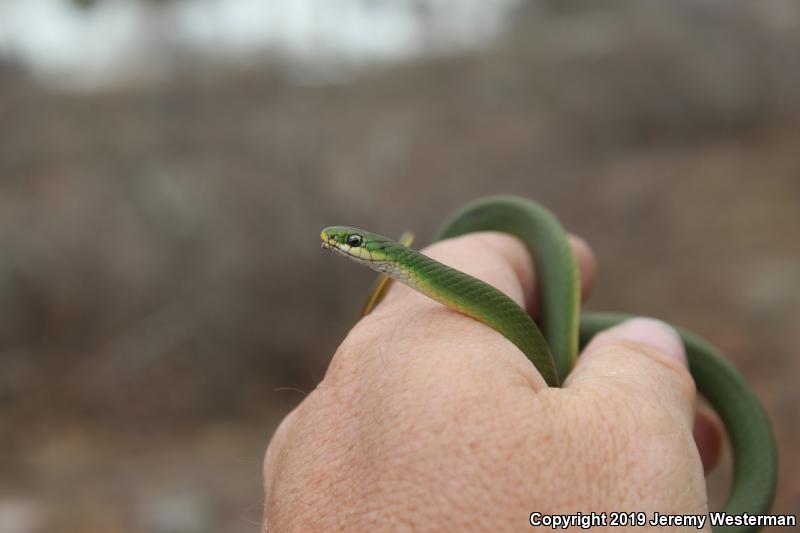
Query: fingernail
x,y
654,333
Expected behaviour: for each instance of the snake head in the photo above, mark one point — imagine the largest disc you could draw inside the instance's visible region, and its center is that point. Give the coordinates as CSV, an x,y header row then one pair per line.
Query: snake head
x,y
358,245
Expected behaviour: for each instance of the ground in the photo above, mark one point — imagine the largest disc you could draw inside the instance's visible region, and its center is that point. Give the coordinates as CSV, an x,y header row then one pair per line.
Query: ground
x,y
165,300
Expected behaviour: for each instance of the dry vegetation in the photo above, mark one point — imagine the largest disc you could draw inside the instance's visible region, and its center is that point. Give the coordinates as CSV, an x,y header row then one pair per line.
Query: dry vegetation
x,y
162,290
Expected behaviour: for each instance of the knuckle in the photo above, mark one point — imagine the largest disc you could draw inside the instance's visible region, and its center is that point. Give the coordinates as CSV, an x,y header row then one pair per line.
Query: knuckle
x,y
662,368
645,370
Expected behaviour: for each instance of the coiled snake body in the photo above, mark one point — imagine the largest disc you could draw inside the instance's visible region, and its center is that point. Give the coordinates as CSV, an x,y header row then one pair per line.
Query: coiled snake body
x,y
553,345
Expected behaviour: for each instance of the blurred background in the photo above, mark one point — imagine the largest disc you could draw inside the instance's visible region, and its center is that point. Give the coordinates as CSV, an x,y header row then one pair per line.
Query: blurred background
x,y
166,167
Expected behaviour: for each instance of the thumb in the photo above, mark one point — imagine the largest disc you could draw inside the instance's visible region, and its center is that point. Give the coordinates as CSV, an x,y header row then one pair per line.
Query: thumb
x,y
643,359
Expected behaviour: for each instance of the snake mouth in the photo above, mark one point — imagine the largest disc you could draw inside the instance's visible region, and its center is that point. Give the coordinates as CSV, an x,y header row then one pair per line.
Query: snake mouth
x,y
328,243
331,245
334,247
357,254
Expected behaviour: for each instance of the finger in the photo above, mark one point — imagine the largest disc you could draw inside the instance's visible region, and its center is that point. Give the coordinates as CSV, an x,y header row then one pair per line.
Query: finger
x,y
708,437
644,358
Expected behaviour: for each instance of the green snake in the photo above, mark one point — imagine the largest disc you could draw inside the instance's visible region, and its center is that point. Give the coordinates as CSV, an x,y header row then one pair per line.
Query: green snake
x,y
562,330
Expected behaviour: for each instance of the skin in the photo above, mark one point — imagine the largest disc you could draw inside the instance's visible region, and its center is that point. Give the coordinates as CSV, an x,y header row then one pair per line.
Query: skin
x,y
429,420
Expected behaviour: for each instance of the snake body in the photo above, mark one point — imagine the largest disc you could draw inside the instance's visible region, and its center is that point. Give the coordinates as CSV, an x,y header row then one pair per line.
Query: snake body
x,y
553,345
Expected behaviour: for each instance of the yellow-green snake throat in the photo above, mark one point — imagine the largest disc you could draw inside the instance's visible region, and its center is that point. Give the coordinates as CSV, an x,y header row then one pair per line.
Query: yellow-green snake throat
x,y
553,345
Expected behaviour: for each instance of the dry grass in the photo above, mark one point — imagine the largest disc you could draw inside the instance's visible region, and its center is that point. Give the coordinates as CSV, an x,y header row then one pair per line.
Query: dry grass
x,y
162,291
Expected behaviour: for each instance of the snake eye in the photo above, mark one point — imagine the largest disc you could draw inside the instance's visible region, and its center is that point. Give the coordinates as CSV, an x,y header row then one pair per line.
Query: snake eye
x,y
354,240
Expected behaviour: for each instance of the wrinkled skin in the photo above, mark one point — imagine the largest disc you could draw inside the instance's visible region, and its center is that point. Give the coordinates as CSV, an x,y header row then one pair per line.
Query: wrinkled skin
x,y
429,420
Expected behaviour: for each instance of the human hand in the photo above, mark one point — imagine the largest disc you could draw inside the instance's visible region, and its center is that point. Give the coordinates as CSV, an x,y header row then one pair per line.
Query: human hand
x,y
427,419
